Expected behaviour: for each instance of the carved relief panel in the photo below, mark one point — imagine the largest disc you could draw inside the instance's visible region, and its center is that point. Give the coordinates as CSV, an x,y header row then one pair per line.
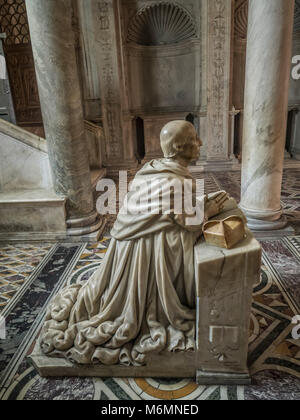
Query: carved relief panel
x,y
104,81
239,67
219,79
224,283
157,61
240,43
110,78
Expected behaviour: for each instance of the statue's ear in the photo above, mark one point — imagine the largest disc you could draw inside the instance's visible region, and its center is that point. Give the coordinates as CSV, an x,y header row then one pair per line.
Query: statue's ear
x,y
178,147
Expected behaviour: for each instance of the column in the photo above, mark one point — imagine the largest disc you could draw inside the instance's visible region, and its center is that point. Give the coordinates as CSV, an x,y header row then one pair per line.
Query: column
x,y
53,44
268,65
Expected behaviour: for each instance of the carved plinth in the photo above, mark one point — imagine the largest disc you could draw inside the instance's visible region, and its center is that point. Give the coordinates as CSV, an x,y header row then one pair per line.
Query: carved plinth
x,y
224,282
165,364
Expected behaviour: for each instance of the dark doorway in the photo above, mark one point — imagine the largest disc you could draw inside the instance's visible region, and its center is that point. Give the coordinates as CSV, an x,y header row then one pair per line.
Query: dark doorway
x,y
290,131
190,118
140,137
237,136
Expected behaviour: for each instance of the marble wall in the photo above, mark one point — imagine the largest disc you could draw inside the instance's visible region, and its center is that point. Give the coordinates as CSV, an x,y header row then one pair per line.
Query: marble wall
x,y
29,207
162,64
95,143
22,167
157,61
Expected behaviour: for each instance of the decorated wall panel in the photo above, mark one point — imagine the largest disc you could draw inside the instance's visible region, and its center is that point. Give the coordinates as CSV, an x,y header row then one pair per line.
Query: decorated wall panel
x,y
20,63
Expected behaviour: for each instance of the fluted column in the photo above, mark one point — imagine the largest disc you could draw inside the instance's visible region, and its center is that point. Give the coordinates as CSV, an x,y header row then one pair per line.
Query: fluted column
x,y
53,44
269,47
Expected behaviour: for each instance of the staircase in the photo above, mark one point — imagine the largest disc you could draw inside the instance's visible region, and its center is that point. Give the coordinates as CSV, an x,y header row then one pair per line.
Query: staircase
x,y
29,207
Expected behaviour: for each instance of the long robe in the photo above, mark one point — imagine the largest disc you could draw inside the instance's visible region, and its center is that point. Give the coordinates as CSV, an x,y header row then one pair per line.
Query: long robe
x,y
142,298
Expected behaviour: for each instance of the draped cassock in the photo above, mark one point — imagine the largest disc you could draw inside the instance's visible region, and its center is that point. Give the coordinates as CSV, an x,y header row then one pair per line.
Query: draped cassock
x,y
142,298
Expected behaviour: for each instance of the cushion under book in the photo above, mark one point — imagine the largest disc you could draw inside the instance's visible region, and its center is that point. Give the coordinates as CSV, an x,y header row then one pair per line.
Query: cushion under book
x,y
225,233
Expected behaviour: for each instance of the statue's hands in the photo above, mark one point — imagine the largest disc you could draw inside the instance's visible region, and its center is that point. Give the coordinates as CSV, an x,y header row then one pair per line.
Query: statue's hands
x,y
215,205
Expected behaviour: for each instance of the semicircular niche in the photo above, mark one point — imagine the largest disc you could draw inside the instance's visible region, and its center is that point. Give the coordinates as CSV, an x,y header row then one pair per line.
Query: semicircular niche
x,y
241,21
161,24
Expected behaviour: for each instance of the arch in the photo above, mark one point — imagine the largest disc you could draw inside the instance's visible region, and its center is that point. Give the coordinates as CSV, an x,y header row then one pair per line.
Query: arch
x,y
241,20
161,24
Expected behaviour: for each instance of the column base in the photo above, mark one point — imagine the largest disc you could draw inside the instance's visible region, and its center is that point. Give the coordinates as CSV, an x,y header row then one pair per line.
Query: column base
x,y
89,237
265,220
85,226
263,225
81,222
97,228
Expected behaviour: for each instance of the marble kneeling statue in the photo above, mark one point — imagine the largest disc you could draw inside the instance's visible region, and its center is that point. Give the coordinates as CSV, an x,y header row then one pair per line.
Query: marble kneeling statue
x,y
142,298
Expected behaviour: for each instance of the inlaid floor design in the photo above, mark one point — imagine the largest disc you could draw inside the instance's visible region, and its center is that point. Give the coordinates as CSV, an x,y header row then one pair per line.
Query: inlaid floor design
x,y
17,263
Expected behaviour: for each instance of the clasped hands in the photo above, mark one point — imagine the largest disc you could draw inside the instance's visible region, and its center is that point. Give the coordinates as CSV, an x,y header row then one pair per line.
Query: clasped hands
x,y
215,203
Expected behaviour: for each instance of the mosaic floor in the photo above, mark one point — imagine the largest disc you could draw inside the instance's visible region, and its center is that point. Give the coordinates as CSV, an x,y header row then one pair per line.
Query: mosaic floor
x,y
17,263
36,272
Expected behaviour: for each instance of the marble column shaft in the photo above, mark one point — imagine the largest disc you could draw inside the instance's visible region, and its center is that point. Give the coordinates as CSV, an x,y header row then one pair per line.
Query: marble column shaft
x,y
53,44
268,64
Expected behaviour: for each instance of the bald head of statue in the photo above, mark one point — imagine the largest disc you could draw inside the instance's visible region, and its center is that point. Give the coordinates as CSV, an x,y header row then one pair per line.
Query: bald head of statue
x,y
179,139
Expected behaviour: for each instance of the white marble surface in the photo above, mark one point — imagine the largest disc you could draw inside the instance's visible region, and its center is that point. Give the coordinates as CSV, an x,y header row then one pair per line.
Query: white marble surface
x,y
32,211
23,136
266,101
224,285
22,166
55,57
28,204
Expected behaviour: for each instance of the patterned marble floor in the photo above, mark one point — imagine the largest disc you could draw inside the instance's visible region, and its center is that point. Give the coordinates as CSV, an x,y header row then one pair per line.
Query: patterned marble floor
x,y
17,263
274,356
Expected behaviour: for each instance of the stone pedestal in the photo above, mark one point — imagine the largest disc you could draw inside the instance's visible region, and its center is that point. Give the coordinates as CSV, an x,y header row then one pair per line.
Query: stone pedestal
x,y
266,103
224,282
53,44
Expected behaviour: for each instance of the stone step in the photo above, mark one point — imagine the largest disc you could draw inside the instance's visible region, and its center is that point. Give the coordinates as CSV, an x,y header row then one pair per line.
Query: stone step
x,y
32,214
23,136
